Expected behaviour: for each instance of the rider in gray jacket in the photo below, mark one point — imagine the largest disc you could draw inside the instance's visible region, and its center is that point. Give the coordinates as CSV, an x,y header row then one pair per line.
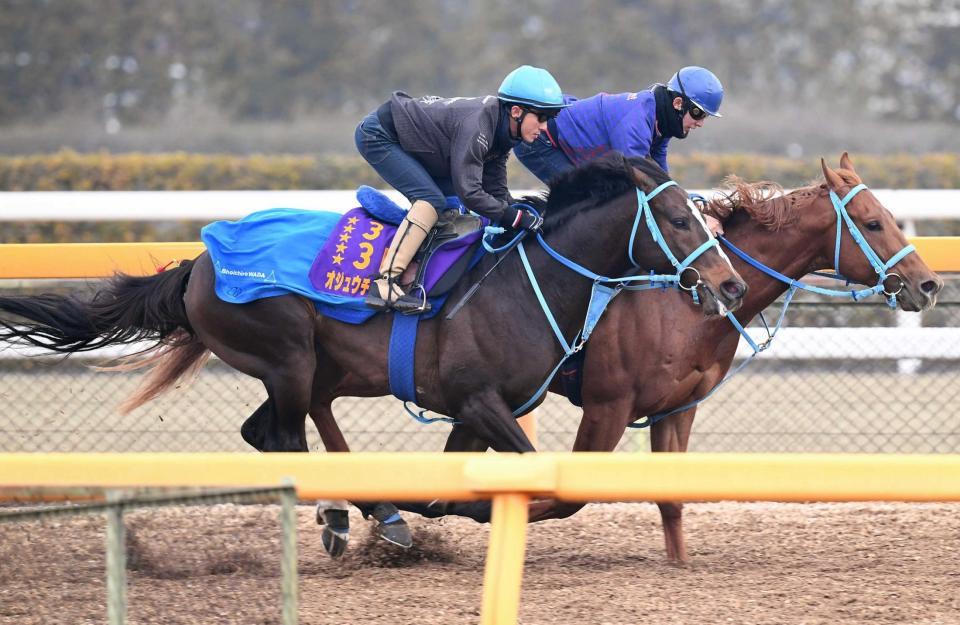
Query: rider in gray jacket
x,y
432,147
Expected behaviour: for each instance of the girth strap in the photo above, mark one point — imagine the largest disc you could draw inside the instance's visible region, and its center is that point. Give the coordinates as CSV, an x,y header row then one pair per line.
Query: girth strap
x,y
400,356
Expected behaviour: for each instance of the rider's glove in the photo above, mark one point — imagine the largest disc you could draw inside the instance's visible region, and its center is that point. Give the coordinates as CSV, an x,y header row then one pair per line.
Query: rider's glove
x,y
521,219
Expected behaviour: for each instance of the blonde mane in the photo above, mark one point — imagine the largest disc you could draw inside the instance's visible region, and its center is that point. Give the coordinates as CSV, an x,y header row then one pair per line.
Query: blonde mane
x,y
766,202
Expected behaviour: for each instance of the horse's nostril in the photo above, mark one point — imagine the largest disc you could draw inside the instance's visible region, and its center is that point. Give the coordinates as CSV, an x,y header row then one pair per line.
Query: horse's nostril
x,y
931,287
733,288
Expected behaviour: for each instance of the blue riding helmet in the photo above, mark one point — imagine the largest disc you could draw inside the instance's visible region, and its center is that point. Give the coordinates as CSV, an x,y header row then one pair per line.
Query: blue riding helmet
x,y
531,86
700,86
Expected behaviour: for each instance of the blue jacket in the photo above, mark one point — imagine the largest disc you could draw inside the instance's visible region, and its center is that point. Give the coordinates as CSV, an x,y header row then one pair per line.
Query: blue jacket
x,y
612,121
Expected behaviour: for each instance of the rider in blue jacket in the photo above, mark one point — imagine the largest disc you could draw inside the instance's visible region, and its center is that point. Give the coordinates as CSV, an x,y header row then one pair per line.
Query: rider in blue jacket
x,y
637,124
431,147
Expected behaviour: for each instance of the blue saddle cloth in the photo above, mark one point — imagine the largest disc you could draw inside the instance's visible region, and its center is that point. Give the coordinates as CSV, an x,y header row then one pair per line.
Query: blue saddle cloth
x,y
271,252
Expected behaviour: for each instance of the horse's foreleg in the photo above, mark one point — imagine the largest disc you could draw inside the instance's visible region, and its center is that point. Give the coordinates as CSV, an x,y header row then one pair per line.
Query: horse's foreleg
x,y
460,439
333,514
601,428
489,417
484,420
671,435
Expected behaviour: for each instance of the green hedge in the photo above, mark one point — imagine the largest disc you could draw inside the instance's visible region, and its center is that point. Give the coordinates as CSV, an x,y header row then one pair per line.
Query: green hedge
x,y
70,171
67,170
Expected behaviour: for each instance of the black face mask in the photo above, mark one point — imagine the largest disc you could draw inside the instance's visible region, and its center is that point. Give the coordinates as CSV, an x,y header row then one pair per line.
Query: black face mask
x,y
669,119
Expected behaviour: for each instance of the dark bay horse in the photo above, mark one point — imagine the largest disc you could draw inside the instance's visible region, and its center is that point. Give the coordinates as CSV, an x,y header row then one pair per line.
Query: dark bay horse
x,y
477,367
654,351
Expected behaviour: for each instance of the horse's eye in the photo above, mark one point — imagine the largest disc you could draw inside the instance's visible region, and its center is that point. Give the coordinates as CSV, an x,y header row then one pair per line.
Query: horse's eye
x,y
679,223
874,225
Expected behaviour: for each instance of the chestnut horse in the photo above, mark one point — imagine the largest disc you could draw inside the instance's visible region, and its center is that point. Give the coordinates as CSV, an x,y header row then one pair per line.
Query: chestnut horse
x,y
478,366
685,356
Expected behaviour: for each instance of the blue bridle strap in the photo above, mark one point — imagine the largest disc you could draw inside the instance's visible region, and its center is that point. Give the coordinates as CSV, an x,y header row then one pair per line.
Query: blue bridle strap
x,y
605,288
644,210
840,206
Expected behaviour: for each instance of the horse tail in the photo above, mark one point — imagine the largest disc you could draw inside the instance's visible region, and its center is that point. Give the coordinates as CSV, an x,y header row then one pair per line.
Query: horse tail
x,y
182,356
128,309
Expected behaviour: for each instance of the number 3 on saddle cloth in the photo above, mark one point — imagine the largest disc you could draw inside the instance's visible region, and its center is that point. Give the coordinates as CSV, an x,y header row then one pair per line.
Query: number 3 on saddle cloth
x,y
357,245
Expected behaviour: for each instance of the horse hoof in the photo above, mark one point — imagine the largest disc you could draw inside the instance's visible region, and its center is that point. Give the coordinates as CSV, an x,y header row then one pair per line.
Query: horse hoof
x,y
396,533
391,527
334,543
336,530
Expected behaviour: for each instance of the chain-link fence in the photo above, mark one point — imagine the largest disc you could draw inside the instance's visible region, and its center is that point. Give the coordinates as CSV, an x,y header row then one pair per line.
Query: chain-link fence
x,y
170,555
843,400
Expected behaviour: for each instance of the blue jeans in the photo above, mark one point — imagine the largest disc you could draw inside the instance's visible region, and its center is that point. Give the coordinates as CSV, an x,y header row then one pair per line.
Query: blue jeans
x,y
543,159
400,170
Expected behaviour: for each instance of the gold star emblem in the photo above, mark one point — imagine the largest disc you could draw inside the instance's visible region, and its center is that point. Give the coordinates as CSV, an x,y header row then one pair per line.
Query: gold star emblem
x,y
337,259
352,221
344,237
341,248
348,228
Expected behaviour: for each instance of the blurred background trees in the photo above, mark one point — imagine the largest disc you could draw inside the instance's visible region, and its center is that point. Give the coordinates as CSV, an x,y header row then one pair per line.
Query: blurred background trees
x,y
296,75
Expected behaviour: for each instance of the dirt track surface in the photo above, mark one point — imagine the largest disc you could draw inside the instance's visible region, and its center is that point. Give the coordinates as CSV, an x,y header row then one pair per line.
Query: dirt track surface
x,y
752,563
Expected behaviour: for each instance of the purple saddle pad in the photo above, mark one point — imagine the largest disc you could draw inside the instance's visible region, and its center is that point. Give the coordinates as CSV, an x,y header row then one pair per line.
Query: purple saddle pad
x,y
352,255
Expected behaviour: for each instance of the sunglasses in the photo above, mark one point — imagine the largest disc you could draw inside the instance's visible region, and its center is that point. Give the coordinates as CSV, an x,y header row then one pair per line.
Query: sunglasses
x,y
696,112
541,116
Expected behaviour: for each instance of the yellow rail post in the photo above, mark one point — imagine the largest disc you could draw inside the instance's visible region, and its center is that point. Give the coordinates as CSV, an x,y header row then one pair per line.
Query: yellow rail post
x,y
506,550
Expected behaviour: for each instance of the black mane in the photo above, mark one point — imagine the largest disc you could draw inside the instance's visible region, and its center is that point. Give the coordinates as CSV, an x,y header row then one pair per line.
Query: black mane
x,y
591,185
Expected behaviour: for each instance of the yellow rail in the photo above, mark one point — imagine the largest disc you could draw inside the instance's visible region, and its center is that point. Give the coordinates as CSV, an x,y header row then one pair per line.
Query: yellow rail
x,y
510,480
90,260
94,260
466,476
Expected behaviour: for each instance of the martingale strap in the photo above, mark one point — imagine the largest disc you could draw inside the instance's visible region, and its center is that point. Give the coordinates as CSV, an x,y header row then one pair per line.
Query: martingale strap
x,y
756,347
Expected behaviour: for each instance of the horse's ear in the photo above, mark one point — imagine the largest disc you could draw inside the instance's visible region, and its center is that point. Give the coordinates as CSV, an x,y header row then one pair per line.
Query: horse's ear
x,y
846,163
640,179
834,181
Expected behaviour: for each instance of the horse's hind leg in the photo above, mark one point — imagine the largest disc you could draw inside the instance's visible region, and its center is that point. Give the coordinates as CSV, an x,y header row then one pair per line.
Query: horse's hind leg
x,y
671,435
253,430
270,339
255,427
333,514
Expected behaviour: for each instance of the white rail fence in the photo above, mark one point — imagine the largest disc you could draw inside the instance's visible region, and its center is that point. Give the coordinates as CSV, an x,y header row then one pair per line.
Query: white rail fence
x,y
909,205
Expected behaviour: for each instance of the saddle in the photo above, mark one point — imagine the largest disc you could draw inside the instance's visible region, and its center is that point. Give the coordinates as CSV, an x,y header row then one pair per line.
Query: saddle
x,y
449,250
450,228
